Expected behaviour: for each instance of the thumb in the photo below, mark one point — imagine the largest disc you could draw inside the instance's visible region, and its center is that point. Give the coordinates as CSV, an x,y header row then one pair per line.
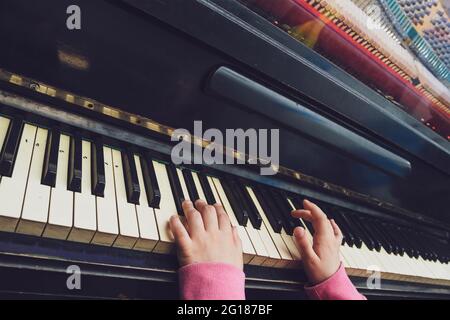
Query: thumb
x,y
304,245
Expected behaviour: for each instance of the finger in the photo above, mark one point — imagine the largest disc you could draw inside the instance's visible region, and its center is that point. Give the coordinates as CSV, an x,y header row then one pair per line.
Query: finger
x,y
337,231
303,214
222,217
180,234
209,215
319,219
304,245
193,218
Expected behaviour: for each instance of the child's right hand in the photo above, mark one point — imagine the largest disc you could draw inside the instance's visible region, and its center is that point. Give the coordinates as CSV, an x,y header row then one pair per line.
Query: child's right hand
x,y
321,259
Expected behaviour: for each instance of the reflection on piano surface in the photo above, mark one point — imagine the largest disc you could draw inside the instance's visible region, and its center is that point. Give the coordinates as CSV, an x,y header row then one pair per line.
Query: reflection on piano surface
x,y
86,176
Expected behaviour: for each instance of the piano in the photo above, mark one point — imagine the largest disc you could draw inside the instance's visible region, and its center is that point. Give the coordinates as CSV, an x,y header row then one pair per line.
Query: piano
x,y
86,118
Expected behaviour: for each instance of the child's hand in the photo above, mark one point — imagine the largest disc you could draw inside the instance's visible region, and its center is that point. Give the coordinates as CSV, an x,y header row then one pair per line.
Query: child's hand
x,y
207,235
321,259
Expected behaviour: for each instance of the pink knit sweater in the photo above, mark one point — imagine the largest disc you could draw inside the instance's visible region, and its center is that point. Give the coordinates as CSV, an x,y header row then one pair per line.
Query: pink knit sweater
x,y
219,281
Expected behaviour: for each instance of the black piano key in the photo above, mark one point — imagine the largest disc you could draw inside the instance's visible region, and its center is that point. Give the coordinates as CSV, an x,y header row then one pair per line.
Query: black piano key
x,y
175,185
51,158
273,218
409,248
253,214
98,168
206,189
150,182
288,224
356,225
385,230
357,241
298,204
10,147
75,160
190,185
348,235
240,212
131,178
365,223
392,230
289,209
380,236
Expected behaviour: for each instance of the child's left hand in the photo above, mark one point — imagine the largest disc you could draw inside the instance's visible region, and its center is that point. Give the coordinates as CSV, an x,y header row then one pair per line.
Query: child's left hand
x,y
207,235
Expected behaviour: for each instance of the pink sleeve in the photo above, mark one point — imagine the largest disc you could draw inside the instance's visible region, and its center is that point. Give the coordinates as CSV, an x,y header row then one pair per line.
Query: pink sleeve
x,y
211,281
337,287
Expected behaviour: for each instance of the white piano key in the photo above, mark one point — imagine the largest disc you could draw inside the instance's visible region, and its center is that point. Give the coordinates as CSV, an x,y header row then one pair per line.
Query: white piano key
x,y
35,207
166,209
272,252
198,186
285,258
4,126
12,189
127,217
146,217
183,185
247,246
60,216
107,221
85,211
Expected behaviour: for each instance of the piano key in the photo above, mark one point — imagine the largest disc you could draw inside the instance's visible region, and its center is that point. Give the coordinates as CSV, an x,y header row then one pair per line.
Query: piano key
x,y
10,147
107,216
167,208
358,229
4,126
384,240
198,186
382,227
175,186
282,208
246,201
148,230
297,204
150,181
37,195
126,211
85,213
251,254
75,164
273,256
349,239
98,168
60,215
275,222
206,189
191,188
235,203
365,223
12,189
348,227
285,256
132,187
51,158
183,185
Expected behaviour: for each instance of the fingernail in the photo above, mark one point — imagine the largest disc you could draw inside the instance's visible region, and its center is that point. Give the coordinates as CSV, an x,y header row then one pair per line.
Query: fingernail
x,y
300,232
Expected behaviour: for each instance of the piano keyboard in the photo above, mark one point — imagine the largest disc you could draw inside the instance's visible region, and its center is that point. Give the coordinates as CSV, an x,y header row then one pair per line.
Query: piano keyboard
x,y
67,187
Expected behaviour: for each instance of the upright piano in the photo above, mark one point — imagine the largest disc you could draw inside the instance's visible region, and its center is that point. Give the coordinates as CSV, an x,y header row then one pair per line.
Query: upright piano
x,y
86,118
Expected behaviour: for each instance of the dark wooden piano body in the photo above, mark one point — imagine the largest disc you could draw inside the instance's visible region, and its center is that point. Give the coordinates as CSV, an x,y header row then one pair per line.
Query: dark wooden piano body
x,y
155,59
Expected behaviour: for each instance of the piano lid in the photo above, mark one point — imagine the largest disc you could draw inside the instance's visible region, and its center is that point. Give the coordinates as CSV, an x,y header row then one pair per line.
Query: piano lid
x,y
366,46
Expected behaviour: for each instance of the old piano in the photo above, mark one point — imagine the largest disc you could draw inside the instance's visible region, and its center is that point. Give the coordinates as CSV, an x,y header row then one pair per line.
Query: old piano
x,y
85,123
